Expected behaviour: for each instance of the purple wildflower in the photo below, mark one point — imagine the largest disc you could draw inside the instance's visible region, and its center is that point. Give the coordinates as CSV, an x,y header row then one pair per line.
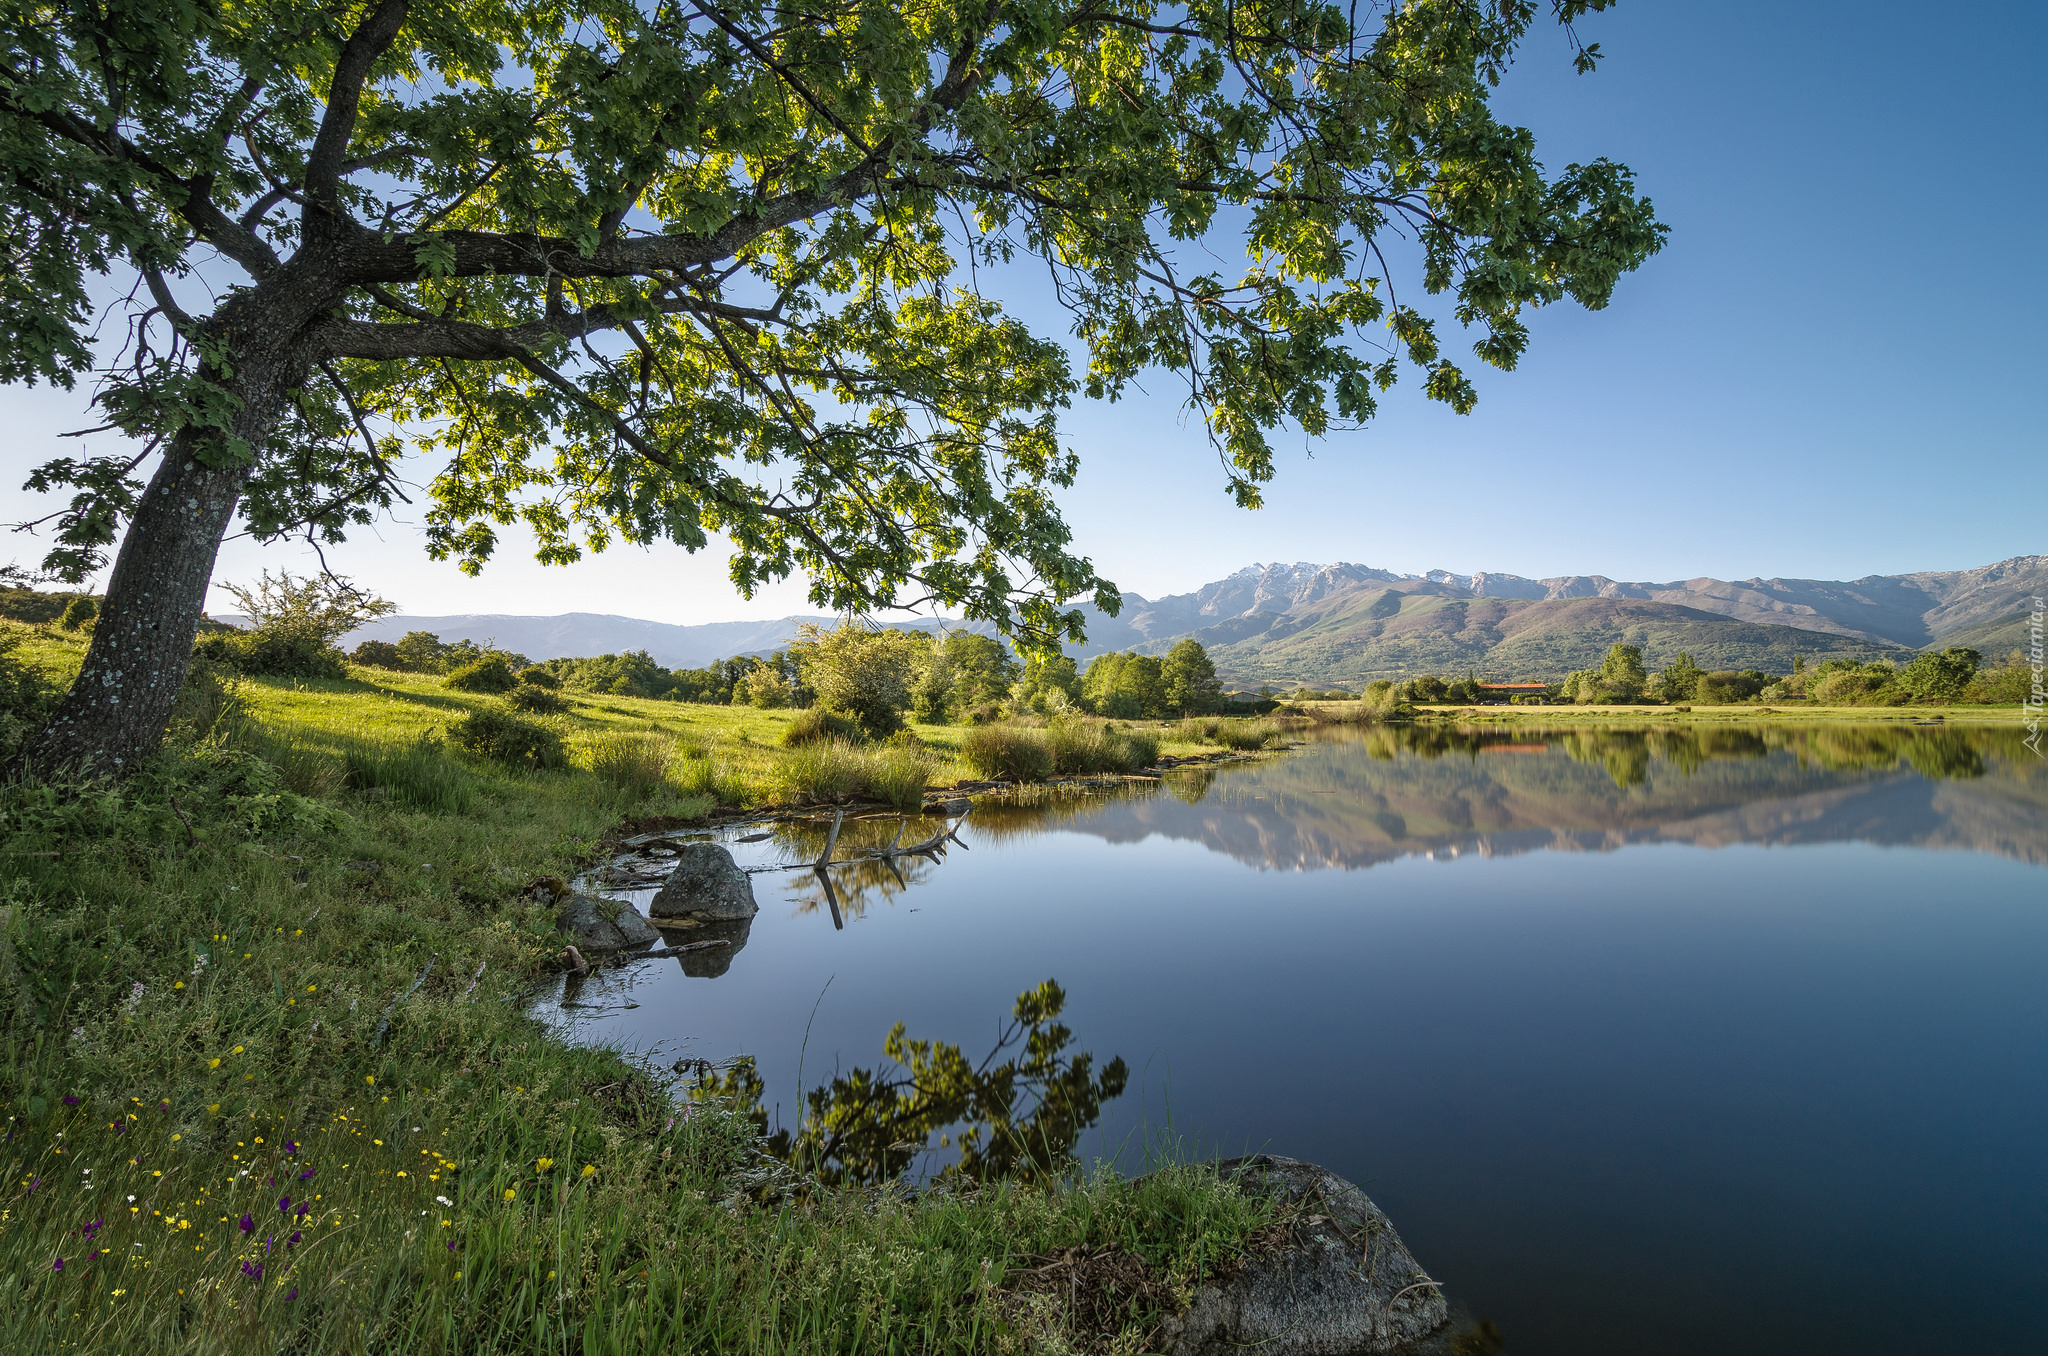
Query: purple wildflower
x,y
293,1240
291,1294
164,1105
58,1265
306,1174
70,1101
253,1270
300,1213
284,1204
33,1183
89,1230
291,1146
248,1225
120,1127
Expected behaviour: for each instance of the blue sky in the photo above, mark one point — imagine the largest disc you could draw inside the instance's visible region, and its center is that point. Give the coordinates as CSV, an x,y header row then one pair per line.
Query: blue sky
x,y
1835,367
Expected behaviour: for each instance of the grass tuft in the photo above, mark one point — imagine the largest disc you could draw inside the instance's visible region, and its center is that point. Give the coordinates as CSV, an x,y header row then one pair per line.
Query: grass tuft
x,y
1008,753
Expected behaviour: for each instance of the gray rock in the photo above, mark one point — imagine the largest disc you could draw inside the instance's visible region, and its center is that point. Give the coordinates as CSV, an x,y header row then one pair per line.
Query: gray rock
x,y
951,809
595,924
1342,1284
705,887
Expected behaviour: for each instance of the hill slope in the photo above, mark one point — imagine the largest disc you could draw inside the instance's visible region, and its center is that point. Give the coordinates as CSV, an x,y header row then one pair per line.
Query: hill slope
x,y
1345,624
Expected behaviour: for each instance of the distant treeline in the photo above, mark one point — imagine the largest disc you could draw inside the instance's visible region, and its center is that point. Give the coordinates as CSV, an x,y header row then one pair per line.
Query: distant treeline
x,y
1954,674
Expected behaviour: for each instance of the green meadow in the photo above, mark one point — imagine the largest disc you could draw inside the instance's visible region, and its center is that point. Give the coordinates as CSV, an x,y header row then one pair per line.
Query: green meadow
x,y
272,1084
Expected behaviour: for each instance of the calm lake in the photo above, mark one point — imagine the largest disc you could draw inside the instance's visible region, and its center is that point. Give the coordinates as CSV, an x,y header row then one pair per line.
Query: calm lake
x,y
1734,1040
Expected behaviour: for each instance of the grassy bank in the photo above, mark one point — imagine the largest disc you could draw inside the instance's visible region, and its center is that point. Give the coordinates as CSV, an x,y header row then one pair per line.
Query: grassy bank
x,y
271,1085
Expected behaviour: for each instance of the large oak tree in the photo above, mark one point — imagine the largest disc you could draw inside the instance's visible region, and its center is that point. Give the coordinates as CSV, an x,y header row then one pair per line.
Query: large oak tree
x,y
653,269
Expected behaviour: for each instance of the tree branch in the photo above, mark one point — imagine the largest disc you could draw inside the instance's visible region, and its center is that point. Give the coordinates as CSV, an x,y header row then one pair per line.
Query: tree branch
x,y
344,99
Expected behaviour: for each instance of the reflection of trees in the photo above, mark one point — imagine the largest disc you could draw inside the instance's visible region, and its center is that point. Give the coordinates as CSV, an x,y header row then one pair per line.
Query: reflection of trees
x,y
1357,797
859,884
1019,1118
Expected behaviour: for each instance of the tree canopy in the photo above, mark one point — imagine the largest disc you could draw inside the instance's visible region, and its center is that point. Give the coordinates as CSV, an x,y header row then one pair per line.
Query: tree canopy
x,y
645,271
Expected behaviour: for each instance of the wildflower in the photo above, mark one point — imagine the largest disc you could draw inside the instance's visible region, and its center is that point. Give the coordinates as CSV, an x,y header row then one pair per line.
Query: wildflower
x,y
291,1146
300,1213
134,999
179,985
544,1164
70,1101
254,1271
438,1200
176,1138
306,1174
284,1203
248,1224
296,1235
510,1192
289,1296
213,1064
590,1169
215,1108
371,1079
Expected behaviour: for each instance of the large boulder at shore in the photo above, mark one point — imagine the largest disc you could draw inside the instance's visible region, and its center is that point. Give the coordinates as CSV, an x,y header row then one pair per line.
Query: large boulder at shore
x,y
705,887
595,924
1340,1283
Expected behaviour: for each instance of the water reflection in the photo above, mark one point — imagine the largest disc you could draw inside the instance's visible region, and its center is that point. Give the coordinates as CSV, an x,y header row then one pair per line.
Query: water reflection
x,y
1356,798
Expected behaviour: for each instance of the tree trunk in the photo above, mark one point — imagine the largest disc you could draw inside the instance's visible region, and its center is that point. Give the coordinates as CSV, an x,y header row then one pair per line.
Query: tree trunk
x,y
116,713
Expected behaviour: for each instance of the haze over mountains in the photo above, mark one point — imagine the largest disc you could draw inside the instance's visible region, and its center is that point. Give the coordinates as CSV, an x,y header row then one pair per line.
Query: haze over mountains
x,y
1345,624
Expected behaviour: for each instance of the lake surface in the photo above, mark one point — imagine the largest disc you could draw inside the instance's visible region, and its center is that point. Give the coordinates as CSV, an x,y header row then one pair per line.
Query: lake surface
x,y
1729,1041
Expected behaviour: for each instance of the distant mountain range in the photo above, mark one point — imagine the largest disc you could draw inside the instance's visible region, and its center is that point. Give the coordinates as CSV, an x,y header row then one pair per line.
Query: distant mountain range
x,y
1343,624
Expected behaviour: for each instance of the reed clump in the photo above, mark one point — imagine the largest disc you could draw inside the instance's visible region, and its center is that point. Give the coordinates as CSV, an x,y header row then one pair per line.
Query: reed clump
x,y
1007,753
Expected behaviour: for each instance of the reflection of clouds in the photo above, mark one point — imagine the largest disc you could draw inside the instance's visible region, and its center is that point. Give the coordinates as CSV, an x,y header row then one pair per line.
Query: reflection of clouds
x,y
1351,801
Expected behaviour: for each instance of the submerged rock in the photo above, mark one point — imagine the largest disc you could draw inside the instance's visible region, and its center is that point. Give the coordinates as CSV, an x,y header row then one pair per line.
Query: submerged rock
x,y
595,924
1340,1284
706,887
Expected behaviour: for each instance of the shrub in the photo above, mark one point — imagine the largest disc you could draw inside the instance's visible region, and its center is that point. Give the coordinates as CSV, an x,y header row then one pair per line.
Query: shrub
x,y
537,701
1246,734
503,735
1007,752
489,674
294,626
2005,684
632,764
79,614
861,673
533,675
277,653
818,723
764,686
377,654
